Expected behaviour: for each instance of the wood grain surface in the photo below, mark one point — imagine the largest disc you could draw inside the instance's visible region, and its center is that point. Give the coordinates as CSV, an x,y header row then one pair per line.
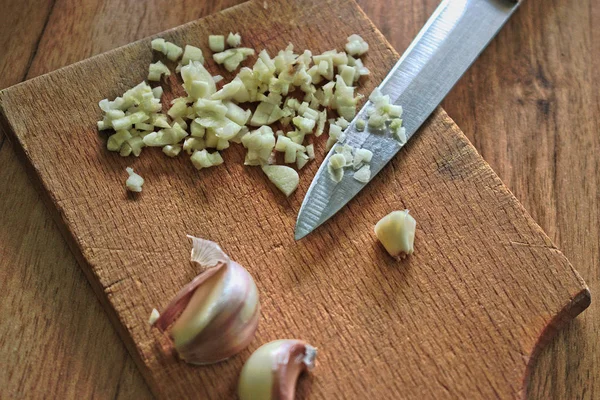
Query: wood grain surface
x,y
574,207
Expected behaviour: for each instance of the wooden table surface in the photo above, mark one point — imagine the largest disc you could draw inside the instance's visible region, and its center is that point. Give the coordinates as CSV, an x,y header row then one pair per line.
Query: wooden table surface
x,y
528,104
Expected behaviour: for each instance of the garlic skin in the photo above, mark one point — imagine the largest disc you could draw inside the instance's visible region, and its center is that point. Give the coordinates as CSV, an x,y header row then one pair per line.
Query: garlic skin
x,y
396,231
216,315
272,370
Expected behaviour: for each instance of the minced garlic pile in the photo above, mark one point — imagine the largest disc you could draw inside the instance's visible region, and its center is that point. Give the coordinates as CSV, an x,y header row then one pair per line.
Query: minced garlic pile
x,y
294,91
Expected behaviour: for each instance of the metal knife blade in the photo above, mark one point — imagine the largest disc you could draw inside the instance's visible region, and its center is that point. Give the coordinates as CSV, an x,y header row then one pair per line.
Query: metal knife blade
x,y
444,49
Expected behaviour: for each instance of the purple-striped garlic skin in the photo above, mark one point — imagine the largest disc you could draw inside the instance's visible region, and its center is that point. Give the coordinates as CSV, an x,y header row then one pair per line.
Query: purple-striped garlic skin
x,y
272,371
216,315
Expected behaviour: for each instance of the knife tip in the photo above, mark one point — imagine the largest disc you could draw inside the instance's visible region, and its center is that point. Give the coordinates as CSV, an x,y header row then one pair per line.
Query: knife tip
x,y
299,233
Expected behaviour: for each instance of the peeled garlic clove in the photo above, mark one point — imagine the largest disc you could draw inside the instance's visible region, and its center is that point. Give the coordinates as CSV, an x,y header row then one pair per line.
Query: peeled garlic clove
x,y
215,315
272,370
396,231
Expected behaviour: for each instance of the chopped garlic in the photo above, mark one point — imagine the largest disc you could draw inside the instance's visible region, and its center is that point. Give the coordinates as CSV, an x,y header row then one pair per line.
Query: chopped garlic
x,y
359,67
211,138
159,45
356,45
335,135
165,136
283,143
157,92
260,144
234,39
346,151
179,108
396,232
204,159
142,126
296,136
342,123
197,81
301,159
154,315
229,90
206,118
172,150
335,167
398,132
192,144
135,144
310,151
159,121
171,50
134,182
266,114
216,43
181,122
363,174
156,70
321,123
232,58
116,140
304,124
347,73
290,155
361,156
360,124
284,178
236,113
192,53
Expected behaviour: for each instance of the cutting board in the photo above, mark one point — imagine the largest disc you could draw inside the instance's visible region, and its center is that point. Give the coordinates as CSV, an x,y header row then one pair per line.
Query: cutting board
x,y
463,317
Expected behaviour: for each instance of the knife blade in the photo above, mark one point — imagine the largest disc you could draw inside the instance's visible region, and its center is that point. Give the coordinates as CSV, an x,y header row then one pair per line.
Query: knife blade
x,y
453,37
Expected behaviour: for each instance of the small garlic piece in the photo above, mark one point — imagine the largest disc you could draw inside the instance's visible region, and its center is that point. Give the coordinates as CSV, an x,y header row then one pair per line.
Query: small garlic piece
x,y
363,175
171,50
216,43
335,167
360,124
204,159
285,178
396,232
273,369
155,71
192,53
172,150
216,315
234,39
356,45
154,315
134,182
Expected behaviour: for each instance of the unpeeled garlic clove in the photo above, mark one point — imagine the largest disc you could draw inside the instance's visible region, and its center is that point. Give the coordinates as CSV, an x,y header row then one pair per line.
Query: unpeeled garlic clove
x,y
396,231
272,370
215,315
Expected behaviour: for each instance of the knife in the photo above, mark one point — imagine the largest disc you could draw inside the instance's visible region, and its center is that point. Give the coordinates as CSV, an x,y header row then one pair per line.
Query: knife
x,y
444,49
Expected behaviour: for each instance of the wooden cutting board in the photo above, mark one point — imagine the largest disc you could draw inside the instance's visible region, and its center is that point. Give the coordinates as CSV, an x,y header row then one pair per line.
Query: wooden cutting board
x,y
463,317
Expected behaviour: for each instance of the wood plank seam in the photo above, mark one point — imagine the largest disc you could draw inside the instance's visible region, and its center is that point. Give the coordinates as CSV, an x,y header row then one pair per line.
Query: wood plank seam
x,y
37,43
3,135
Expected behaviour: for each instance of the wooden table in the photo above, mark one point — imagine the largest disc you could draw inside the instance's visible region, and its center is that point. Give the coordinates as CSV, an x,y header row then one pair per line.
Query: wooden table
x,y
529,105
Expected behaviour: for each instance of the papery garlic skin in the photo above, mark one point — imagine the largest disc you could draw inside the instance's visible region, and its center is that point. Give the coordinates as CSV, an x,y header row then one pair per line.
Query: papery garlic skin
x,y
272,370
396,232
216,315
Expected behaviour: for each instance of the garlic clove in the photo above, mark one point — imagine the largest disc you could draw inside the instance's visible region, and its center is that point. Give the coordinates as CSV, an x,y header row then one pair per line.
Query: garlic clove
x,y
215,315
272,371
396,232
